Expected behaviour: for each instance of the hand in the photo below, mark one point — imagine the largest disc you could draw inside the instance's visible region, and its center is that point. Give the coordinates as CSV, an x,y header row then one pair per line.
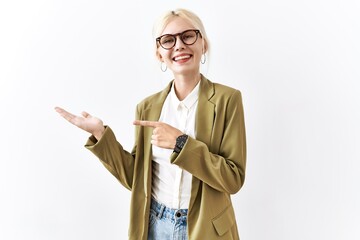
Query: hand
x,y
164,135
86,122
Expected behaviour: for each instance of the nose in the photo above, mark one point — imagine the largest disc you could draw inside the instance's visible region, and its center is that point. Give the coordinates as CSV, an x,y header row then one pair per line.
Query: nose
x,y
179,43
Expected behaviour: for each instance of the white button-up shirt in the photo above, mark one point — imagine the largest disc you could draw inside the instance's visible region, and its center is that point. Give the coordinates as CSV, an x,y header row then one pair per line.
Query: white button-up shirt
x,y
171,185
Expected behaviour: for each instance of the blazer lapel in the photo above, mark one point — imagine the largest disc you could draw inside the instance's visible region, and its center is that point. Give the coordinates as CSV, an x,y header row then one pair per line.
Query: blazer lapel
x,y
205,116
205,112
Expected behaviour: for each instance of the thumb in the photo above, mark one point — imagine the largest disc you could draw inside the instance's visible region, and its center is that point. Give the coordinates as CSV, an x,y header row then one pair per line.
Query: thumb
x,y
85,114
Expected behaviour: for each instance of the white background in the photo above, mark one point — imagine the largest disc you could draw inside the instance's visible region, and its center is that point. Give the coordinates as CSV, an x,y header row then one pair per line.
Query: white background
x,y
296,63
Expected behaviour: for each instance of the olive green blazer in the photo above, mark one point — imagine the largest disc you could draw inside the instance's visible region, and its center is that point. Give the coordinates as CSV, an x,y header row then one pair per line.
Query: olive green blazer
x,y
216,159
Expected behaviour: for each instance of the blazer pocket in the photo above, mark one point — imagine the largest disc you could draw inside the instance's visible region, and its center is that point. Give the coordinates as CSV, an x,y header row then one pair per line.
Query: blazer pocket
x,y
224,221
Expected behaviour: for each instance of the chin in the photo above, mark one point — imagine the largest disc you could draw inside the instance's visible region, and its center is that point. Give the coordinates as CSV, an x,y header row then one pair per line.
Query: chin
x,y
185,69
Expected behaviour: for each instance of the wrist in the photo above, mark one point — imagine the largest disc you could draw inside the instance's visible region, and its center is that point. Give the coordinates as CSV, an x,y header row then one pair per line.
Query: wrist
x,y
99,133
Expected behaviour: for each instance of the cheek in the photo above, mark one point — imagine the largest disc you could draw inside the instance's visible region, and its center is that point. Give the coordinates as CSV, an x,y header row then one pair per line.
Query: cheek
x,y
164,55
198,49
198,53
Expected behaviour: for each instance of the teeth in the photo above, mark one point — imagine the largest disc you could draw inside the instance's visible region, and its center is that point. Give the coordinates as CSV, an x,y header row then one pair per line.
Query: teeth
x,y
181,57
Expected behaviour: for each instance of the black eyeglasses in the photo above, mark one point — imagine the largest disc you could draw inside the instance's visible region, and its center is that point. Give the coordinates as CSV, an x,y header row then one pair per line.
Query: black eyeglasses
x,y
188,37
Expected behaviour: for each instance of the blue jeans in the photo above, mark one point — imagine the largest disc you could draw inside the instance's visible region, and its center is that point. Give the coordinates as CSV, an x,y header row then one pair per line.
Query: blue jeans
x,y
167,223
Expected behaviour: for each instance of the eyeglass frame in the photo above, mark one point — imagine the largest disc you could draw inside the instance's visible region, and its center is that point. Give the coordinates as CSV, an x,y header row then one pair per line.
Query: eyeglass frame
x,y
197,32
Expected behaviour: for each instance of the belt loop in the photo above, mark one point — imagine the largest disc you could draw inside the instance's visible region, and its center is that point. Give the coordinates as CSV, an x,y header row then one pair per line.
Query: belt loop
x,y
162,208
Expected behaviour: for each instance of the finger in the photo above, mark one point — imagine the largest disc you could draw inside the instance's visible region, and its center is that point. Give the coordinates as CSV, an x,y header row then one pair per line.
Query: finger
x,y
154,137
59,109
68,116
154,142
146,123
65,114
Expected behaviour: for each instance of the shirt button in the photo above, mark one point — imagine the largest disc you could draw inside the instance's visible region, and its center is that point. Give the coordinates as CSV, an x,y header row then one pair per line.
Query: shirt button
x,y
178,214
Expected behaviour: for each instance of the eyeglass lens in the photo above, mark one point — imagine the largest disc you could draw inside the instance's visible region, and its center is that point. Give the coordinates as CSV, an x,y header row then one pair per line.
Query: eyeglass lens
x,y
188,37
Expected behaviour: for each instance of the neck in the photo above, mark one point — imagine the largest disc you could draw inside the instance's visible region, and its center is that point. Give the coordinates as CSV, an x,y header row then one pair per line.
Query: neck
x,y
185,83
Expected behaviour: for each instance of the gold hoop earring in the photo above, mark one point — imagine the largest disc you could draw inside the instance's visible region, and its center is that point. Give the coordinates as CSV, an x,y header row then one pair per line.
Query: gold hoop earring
x,y
203,58
162,68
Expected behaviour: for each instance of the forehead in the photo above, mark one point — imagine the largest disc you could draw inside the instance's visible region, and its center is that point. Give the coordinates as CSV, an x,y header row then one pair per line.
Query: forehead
x,y
177,25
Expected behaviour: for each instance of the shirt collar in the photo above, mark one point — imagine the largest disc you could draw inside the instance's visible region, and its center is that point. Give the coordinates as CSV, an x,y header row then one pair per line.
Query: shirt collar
x,y
190,99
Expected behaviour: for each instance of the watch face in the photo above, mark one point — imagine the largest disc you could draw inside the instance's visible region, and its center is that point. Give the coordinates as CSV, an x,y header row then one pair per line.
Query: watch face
x,y
180,141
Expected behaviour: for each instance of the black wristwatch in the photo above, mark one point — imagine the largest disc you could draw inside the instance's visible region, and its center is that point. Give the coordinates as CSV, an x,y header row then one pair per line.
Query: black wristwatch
x,y
180,142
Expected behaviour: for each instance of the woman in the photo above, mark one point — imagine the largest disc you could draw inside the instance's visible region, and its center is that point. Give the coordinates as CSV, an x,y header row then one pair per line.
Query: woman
x,y
190,148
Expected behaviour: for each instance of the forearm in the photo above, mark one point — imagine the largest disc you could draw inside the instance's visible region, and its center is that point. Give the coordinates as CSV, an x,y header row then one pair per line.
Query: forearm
x,y
111,153
222,174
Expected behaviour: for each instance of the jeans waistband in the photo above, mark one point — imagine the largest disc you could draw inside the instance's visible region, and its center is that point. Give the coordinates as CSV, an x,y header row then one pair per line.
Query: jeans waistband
x,y
165,212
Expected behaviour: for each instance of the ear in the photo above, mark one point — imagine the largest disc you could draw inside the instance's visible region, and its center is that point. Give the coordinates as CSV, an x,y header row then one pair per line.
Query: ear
x,y
159,57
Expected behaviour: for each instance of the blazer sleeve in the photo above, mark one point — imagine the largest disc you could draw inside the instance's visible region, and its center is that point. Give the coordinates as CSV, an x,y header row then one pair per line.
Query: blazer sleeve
x,y
116,160
225,169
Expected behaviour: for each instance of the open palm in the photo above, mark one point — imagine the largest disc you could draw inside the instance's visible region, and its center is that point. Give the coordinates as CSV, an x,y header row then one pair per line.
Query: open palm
x,y
86,122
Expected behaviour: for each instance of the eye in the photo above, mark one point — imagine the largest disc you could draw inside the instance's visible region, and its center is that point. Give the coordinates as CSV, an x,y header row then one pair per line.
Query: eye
x,y
167,40
188,36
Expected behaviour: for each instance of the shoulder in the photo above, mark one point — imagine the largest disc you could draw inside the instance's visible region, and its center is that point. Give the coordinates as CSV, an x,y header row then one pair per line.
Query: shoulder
x,y
150,99
221,91
224,89
155,98
227,100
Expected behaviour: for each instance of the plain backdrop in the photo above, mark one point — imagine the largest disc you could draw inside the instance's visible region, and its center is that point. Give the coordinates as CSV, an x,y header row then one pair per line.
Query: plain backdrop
x,y
297,64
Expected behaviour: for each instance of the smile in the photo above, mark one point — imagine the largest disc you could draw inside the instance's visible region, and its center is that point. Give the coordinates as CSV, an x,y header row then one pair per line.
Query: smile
x,y
182,57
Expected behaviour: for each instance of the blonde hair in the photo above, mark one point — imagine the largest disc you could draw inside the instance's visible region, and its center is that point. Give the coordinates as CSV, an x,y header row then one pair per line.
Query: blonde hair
x,y
168,16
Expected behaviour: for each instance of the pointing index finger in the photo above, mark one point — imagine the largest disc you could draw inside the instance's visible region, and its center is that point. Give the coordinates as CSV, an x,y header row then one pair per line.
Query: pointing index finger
x,y
152,124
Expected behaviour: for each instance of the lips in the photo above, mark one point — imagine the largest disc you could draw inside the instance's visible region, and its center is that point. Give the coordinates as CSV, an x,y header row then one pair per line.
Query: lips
x,y
182,57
